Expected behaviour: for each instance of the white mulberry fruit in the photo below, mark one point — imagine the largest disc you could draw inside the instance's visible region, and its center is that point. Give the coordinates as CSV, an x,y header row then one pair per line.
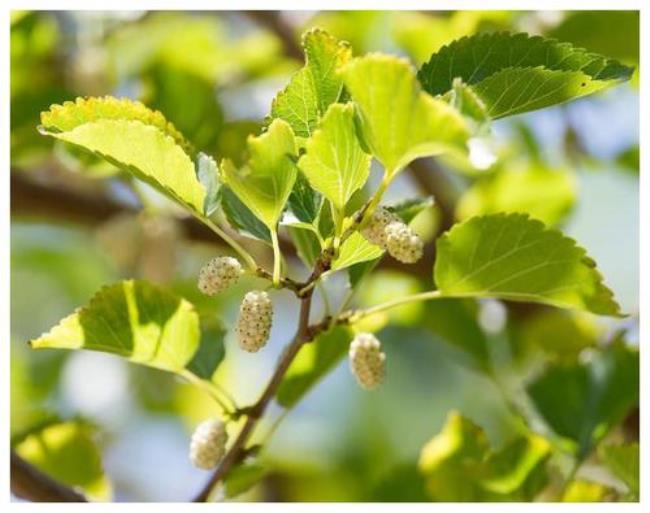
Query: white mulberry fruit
x,y
367,361
375,231
403,243
254,322
208,444
219,274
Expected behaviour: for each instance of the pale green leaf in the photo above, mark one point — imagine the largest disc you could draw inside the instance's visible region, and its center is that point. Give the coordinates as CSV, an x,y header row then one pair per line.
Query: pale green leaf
x,y
514,73
545,194
314,360
398,121
135,320
464,99
511,256
265,182
355,249
67,452
334,162
208,175
133,138
317,85
623,461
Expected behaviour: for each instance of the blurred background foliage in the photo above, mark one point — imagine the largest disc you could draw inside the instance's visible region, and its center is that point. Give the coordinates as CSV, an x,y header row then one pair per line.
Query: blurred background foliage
x,y
465,378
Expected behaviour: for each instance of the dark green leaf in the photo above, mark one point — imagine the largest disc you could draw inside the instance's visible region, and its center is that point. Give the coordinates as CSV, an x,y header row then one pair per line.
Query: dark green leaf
x,y
313,362
241,218
583,401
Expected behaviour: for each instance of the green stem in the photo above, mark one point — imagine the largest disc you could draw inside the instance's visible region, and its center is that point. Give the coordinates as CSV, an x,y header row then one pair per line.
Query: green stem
x,y
376,198
277,257
246,256
423,296
210,390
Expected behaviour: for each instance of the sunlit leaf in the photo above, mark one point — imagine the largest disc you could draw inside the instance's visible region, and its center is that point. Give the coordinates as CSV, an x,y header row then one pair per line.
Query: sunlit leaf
x,y
140,322
265,182
67,452
334,162
514,73
398,121
459,464
355,249
511,256
132,137
317,85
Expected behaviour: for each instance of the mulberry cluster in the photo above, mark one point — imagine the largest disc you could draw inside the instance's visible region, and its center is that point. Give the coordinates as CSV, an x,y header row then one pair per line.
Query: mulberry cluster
x,y
403,243
254,322
367,361
208,444
219,274
389,232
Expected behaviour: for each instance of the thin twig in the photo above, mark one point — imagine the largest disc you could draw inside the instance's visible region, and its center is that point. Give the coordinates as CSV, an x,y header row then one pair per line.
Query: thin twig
x,y
29,483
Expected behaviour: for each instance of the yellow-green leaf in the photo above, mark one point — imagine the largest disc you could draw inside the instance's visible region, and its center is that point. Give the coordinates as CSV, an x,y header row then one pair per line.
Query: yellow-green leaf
x,y
67,452
135,320
265,182
317,85
334,162
399,122
132,137
513,257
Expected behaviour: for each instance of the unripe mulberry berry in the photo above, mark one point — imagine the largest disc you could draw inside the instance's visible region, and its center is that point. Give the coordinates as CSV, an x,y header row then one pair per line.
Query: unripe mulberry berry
x,y
367,361
375,231
254,323
403,243
219,274
208,444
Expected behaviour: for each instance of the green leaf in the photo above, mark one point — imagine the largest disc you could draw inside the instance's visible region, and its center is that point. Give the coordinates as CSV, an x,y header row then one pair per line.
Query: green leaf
x,y
306,242
314,360
511,256
583,401
355,249
623,461
581,490
243,477
334,162
208,175
545,194
514,73
241,217
455,321
265,182
137,321
400,123
464,99
317,85
211,351
132,137
459,464
408,209
67,452
304,203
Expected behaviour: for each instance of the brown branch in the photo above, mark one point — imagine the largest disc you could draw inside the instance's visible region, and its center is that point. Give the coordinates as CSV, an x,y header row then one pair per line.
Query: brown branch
x,y
29,483
238,450
283,30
